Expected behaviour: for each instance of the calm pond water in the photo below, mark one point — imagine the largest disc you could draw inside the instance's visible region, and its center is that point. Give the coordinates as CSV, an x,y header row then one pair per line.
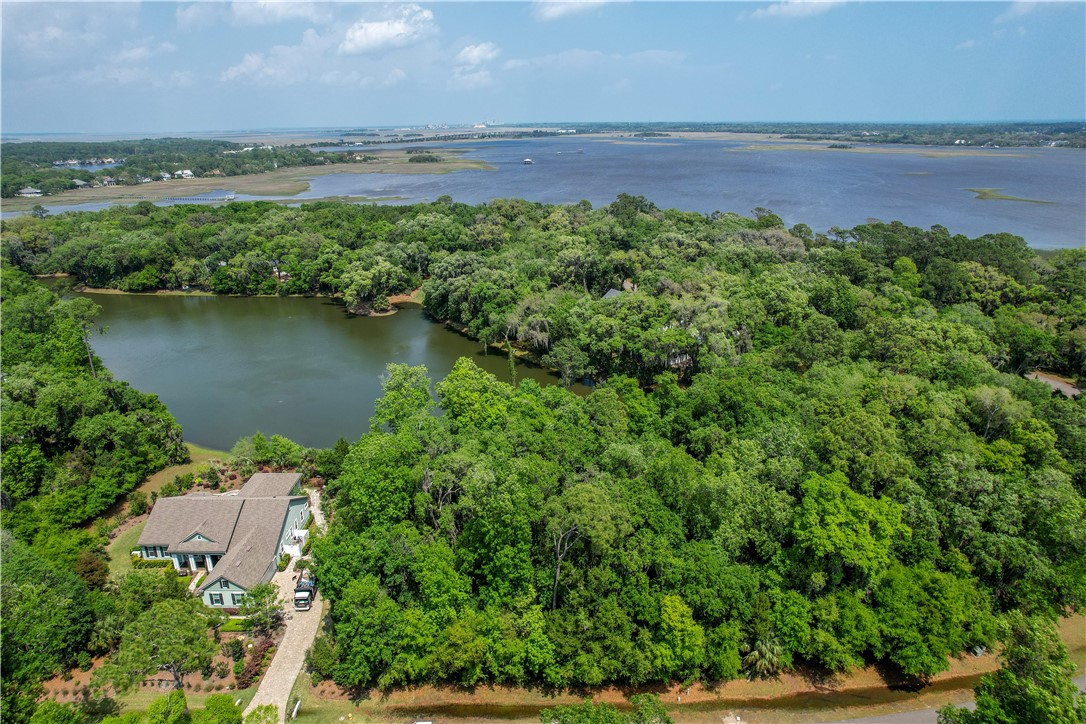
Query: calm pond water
x,y
819,188
229,366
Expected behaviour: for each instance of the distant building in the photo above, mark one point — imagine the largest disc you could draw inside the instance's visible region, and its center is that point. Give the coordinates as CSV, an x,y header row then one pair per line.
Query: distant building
x,y
109,181
79,183
612,293
28,192
165,176
183,174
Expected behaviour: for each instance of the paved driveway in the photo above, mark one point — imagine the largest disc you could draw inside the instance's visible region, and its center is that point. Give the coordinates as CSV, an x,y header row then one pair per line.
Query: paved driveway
x,y
301,629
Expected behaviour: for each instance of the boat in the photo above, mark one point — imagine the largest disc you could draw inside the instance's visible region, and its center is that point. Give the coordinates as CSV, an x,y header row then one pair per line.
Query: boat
x,y
528,162
580,150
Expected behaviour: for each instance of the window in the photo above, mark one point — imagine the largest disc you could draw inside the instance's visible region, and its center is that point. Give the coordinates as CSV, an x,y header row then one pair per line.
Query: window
x,y
150,551
236,598
216,599
223,583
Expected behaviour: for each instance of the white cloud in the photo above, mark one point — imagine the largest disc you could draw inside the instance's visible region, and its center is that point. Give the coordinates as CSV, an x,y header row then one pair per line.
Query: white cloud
x,y
553,10
576,59
283,64
253,12
408,24
478,54
45,33
467,78
198,15
140,53
796,8
966,44
1017,10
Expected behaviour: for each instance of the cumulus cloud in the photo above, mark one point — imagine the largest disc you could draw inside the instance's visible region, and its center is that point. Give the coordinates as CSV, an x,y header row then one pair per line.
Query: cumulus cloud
x,y
248,12
1017,10
796,8
406,25
553,10
198,15
468,78
478,54
282,65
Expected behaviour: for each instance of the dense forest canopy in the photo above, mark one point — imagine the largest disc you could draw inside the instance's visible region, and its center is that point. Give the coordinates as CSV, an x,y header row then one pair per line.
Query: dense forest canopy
x,y
74,441
801,448
709,288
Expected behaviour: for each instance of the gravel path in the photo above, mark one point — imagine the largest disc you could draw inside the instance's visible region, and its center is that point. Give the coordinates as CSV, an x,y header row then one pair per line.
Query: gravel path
x,y
301,629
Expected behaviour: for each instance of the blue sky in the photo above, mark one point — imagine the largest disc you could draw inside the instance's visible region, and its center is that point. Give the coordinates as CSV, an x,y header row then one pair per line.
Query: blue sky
x,y
160,67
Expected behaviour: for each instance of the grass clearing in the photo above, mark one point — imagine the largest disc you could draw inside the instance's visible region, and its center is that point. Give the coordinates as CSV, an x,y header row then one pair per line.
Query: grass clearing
x,y
120,551
995,195
140,700
234,625
200,457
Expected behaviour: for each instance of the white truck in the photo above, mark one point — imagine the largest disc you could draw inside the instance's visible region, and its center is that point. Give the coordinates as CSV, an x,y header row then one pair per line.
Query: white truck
x,y
305,590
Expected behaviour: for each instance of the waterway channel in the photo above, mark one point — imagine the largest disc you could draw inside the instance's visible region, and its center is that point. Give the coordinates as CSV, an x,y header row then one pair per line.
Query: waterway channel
x,y
229,366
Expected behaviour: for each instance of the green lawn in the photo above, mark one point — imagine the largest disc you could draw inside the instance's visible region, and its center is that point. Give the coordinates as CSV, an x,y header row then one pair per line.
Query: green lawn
x,y
234,625
314,710
140,700
120,551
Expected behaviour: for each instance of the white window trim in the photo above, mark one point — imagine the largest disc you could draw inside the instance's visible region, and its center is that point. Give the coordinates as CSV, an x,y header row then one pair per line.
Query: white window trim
x,y
216,596
223,583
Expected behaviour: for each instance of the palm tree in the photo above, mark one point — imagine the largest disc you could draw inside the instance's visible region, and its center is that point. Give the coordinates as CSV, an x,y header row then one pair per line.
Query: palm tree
x,y
763,659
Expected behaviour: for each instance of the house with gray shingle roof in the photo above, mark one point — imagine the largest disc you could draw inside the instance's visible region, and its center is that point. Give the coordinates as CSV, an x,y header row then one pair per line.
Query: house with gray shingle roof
x,y
236,537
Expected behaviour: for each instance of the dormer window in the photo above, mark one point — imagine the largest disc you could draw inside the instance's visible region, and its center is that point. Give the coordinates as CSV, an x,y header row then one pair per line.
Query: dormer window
x,y
223,583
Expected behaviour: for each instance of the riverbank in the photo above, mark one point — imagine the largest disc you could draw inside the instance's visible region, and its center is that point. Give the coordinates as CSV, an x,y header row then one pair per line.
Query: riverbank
x,y
282,182
789,699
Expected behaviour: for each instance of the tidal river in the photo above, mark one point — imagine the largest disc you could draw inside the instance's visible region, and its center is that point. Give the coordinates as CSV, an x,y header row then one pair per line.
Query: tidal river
x,y
229,366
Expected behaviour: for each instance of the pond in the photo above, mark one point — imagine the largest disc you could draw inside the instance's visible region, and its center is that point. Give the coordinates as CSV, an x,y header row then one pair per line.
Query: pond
x,y
300,367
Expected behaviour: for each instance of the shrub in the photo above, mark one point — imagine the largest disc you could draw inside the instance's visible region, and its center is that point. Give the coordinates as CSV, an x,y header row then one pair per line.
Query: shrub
x,y
137,502
212,475
322,657
284,561
239,666
222,670
233,649
307,545
84,660
152,563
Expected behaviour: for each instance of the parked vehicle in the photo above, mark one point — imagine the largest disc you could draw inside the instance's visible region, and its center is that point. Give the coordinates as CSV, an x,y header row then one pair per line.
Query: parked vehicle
x,y
305,590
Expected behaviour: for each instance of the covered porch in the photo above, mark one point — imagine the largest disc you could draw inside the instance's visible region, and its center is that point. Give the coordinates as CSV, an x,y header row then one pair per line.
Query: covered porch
x,y
194,562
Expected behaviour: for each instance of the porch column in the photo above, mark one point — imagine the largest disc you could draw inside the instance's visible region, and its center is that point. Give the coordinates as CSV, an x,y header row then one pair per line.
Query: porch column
x,y
192,562
210,562
176,563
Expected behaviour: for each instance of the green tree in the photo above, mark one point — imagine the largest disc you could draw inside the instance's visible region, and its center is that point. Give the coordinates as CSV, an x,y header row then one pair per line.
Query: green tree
x,y
844,531
262,608
172,636
405,396
1033,685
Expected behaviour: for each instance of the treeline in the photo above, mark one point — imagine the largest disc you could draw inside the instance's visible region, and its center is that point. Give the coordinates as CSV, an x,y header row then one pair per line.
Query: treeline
x,y
74,441
74,438
692,291
31,164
